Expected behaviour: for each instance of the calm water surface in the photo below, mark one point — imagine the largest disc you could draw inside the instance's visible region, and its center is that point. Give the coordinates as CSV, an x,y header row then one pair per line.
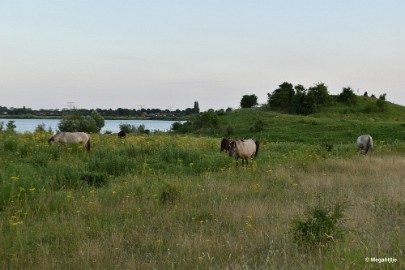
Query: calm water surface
x,y
29,125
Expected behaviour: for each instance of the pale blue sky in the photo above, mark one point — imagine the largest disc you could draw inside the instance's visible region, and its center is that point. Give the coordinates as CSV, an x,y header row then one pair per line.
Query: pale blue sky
x,y
168,54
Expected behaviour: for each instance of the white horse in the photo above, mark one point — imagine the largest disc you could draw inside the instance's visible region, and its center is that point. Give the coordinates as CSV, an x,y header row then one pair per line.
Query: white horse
x,y
245,149
65,138
365,142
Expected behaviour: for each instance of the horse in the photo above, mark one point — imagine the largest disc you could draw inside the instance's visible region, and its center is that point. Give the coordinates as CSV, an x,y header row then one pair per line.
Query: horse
x,y
225,144
245,149
122,134
365,142
65,138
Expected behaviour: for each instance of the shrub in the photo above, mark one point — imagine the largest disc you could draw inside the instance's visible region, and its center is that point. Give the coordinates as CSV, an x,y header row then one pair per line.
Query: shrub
x,y
127,128
94,179
347,96
248,101
258,126
169,194
321,227
381,104
76,122
207,120
11,127
182,127
40,128
10,144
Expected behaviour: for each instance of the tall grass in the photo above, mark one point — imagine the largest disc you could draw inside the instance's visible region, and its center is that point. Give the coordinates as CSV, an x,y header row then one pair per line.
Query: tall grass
x,y
176,202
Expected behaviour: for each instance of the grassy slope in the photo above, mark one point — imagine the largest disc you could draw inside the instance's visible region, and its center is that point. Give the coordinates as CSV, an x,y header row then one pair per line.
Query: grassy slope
x,y
332,125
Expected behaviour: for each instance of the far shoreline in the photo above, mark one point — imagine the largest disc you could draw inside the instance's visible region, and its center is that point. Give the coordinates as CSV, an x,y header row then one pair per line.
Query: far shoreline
x,y
105,118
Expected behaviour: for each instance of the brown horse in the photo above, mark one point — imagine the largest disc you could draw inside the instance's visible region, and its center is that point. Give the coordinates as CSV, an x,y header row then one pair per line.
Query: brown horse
x,y
225,144
65,138
122,134
245,149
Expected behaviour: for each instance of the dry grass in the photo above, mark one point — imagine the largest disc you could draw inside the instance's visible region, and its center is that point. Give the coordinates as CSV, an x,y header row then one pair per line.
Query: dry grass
x,y
234,219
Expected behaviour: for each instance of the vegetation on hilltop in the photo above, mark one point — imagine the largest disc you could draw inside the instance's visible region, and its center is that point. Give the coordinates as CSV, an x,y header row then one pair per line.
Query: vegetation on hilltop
x,y
337,123
336,119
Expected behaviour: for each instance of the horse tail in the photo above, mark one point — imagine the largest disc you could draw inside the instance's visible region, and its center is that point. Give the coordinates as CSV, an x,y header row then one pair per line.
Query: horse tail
x,y
257,147
87,145
369,144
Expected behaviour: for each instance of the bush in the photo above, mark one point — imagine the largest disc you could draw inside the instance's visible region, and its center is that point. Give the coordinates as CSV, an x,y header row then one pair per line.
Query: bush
x,y
207,120
381,104
182,128
94,179
258,126
127,128
169,194
11,127
40,128
248,101
321,227
76,122
347,96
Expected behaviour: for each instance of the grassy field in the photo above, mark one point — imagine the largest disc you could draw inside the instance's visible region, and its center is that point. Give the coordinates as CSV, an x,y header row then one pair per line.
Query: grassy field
x,y
165,201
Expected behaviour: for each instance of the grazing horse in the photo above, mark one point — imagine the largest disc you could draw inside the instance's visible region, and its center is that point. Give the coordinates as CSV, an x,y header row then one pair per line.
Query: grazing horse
x,y
122,134
225,144
365,142
65,138
245,149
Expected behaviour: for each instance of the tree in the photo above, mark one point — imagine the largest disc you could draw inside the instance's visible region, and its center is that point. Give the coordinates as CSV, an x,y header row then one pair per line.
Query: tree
x,y
10,127
98,119
196,107
248,101
381,103
318,95
207,120
301,103
347,96
281,98
75,121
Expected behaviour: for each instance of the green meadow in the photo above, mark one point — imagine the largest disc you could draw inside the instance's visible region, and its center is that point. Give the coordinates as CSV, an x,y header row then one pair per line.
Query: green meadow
x,y
172,201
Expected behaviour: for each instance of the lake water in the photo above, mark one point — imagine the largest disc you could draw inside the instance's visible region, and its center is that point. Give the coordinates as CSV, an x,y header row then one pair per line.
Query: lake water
x,y
29,125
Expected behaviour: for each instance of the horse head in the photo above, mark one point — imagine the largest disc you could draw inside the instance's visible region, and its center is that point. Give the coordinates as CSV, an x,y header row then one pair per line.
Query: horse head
x,y
51,140
225,144
232,148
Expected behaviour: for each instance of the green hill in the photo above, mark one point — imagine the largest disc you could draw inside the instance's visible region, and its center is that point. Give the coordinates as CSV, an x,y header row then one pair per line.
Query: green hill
x,y
336,123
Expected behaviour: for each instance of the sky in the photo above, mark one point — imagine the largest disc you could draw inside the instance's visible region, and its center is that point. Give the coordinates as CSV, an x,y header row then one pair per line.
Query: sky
x,y
168,54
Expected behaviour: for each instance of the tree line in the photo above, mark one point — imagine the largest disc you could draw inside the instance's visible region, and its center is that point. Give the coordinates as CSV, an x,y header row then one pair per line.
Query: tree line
x,y
107,113
300,100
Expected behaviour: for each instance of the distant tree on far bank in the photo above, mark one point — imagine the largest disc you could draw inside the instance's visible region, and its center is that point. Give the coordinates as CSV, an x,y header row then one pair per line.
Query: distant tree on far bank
x,y
196,108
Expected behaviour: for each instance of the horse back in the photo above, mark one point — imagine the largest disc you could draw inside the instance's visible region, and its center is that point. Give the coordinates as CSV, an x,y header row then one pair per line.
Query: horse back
x,y
246,148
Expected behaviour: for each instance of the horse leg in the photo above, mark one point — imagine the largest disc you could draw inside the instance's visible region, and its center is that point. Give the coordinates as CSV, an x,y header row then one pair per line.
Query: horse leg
x,y
366,150
243,161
